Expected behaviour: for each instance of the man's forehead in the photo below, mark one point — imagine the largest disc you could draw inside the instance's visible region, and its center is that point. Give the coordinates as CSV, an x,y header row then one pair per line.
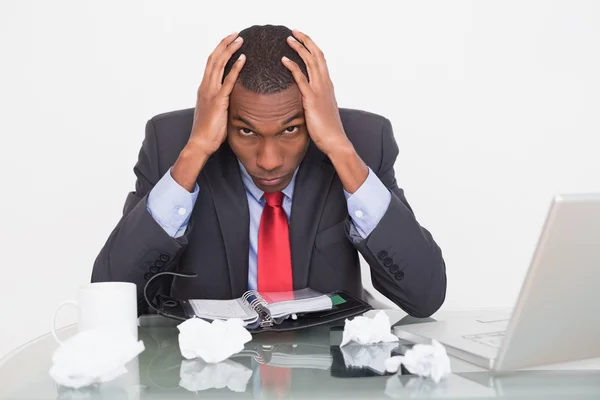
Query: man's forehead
x,y
243,96
283,103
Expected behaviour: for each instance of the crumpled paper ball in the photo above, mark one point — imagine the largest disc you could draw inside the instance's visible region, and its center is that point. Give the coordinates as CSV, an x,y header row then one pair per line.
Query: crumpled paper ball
x,y
364,330
425,360
92,357
212,341
197,375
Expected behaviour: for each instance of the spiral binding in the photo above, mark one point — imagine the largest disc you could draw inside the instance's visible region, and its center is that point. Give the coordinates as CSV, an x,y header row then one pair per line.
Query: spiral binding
x,y
259,305
249,293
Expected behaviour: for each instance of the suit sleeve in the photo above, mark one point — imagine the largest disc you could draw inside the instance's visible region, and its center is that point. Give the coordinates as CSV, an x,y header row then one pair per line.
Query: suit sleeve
x,y
138,247
406,263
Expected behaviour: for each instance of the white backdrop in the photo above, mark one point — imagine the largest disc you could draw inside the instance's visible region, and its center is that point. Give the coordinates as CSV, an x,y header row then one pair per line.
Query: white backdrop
x,y
494,105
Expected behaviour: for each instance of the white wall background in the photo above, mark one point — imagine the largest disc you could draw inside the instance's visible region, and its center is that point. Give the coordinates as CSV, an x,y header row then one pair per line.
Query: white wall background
x,y
494,104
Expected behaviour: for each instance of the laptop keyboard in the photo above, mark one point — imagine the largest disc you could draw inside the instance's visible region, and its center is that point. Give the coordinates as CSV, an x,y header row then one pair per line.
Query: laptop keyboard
x,y
492,339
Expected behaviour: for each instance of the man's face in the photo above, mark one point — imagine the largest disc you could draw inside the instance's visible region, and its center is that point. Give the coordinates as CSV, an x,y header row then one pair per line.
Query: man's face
x,y
268,135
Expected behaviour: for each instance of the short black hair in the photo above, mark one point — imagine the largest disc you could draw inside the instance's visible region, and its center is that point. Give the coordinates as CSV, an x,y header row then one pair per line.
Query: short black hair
x,y
263,71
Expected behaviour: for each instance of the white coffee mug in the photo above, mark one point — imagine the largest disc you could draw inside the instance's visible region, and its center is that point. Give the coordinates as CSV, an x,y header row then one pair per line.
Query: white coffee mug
x,y
104,305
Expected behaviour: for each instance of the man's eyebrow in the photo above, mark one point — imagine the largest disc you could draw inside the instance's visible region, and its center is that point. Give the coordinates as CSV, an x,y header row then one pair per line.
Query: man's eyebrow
x,y
237,117
293,117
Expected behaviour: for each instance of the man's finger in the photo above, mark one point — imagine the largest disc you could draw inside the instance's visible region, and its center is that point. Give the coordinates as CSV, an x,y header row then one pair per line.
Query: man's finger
x,y
232,77
226,41
219,65
306,56
308,43
298,76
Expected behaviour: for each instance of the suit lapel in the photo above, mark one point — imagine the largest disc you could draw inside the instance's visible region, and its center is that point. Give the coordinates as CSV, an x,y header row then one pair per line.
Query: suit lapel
x,y
311,189
223,176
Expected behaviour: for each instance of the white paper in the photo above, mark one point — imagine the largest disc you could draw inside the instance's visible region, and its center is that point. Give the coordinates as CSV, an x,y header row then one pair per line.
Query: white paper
x,y
220,309
428,361
214,341
197,375
93,356
364,330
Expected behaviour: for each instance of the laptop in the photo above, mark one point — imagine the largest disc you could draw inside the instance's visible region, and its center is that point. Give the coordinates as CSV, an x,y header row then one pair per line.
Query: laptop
x,y
557,315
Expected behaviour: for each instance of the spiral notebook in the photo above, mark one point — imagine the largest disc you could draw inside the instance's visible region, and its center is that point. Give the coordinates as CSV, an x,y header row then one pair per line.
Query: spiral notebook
x,y
263,309
261,312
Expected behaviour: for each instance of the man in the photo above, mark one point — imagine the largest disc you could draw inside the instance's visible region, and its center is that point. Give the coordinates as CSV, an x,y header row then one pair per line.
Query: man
x,y
267,185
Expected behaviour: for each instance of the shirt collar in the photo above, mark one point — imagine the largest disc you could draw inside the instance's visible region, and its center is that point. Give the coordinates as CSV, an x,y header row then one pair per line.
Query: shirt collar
x,y
288,191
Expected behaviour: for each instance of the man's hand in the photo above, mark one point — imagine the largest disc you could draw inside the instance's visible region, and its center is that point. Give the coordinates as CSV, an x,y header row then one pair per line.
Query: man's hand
x,y
209,129
318,97
321,112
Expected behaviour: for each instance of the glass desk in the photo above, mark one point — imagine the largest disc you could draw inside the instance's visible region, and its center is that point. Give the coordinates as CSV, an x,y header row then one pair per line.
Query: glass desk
x,y
303,364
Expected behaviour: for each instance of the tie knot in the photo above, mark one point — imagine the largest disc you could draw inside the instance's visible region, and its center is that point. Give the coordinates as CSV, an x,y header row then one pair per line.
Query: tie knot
x,y
274,199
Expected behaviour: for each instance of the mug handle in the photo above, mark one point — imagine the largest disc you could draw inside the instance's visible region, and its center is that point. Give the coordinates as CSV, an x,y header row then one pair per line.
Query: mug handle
x,y
61,305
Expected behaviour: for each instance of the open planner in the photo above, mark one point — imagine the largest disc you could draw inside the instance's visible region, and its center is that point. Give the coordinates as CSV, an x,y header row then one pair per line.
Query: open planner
x,y
264,309
261,312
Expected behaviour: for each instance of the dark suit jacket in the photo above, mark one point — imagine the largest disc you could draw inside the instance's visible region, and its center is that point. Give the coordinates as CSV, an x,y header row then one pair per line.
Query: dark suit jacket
x,y
406,263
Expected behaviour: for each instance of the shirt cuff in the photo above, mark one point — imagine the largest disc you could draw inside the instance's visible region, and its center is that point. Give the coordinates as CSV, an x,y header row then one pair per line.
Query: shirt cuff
x,y
171,205
368,204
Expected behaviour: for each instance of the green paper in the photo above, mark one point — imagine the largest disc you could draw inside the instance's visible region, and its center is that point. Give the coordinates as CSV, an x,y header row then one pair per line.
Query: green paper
x,y
336,300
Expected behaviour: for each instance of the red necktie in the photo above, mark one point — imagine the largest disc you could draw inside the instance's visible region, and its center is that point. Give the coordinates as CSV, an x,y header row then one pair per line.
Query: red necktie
x,y
274,259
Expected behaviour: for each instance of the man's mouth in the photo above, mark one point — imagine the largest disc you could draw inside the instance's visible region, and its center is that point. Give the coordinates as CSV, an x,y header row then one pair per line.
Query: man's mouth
x,y
270,181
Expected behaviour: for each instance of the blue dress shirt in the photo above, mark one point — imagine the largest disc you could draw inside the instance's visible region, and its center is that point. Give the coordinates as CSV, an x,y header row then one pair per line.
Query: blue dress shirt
x,y
171,206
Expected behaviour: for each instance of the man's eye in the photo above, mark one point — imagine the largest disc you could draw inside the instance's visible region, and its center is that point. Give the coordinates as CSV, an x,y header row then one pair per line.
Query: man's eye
x,y
245,132
291,129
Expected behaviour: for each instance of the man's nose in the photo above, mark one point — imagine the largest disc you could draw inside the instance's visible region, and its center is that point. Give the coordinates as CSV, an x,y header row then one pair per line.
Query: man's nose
x,y
269,156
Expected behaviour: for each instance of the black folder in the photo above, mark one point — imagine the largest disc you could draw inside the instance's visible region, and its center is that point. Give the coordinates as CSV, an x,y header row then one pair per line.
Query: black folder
x,y
181,309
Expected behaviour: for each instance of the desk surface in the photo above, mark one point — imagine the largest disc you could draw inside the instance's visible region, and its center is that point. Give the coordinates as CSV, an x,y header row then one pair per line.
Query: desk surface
x,y
309,364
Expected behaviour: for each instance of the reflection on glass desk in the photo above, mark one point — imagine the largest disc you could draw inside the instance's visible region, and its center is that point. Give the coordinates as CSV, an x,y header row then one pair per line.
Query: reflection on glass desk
x,y
302,364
